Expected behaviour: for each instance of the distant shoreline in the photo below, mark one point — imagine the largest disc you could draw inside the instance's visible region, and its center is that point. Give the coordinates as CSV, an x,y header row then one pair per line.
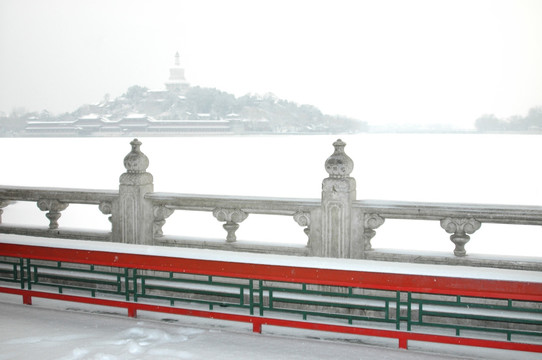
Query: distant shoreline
x,y
204,134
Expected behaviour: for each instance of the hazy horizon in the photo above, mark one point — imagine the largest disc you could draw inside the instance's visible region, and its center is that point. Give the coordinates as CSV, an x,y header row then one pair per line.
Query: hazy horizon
x,y
382,62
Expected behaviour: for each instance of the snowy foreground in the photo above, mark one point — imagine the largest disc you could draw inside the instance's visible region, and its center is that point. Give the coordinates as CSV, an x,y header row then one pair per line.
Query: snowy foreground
x,y
70,331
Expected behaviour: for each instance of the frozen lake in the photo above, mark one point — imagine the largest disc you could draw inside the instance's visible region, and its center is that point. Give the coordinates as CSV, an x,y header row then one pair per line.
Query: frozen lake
x,y
469,168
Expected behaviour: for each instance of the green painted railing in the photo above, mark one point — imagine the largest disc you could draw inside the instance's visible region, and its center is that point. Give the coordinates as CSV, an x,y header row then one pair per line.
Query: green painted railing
x,y
10,271
330,302
495,316
401,310
196,289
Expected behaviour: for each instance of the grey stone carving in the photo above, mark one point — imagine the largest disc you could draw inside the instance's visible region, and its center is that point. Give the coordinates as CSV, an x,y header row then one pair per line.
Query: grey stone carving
x,y
106,208
136,164
232,217
3,204
339,165
303,219
371,222
161,213
338,194
54,207
459,228
133,214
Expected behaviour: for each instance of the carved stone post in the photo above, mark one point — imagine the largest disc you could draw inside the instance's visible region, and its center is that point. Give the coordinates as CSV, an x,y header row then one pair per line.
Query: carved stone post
x,y
132,215
338,193
459,228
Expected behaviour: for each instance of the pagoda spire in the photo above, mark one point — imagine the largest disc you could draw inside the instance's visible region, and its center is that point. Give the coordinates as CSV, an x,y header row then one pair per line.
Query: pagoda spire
x,y
176,82
177,59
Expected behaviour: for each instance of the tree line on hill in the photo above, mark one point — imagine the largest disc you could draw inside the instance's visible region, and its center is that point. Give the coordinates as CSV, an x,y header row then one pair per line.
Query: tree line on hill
x,y
532,122
273,114
266,112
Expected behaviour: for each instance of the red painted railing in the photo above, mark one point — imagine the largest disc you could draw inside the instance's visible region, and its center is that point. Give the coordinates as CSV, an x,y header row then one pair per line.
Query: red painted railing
x,y
427,284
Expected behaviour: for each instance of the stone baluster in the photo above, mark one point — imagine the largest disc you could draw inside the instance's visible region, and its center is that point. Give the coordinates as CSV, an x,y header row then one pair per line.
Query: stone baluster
x,y
232,217
133,214
303,218
3,204
106,208
54,207
370,222
161,213
459,228
339,237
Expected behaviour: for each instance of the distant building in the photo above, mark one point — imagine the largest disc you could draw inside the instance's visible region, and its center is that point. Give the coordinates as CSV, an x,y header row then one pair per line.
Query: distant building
x,y
133,124
88,124
50,128
177,82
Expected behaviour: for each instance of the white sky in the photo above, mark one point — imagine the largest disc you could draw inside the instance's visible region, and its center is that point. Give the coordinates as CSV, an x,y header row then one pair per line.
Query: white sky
x,y
383,61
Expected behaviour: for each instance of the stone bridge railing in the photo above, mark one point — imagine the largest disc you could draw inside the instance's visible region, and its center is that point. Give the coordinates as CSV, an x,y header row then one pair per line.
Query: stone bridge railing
x,y
337,225
53,201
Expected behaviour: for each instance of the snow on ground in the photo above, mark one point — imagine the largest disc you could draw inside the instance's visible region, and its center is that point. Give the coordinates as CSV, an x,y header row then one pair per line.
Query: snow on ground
x,y
57,330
